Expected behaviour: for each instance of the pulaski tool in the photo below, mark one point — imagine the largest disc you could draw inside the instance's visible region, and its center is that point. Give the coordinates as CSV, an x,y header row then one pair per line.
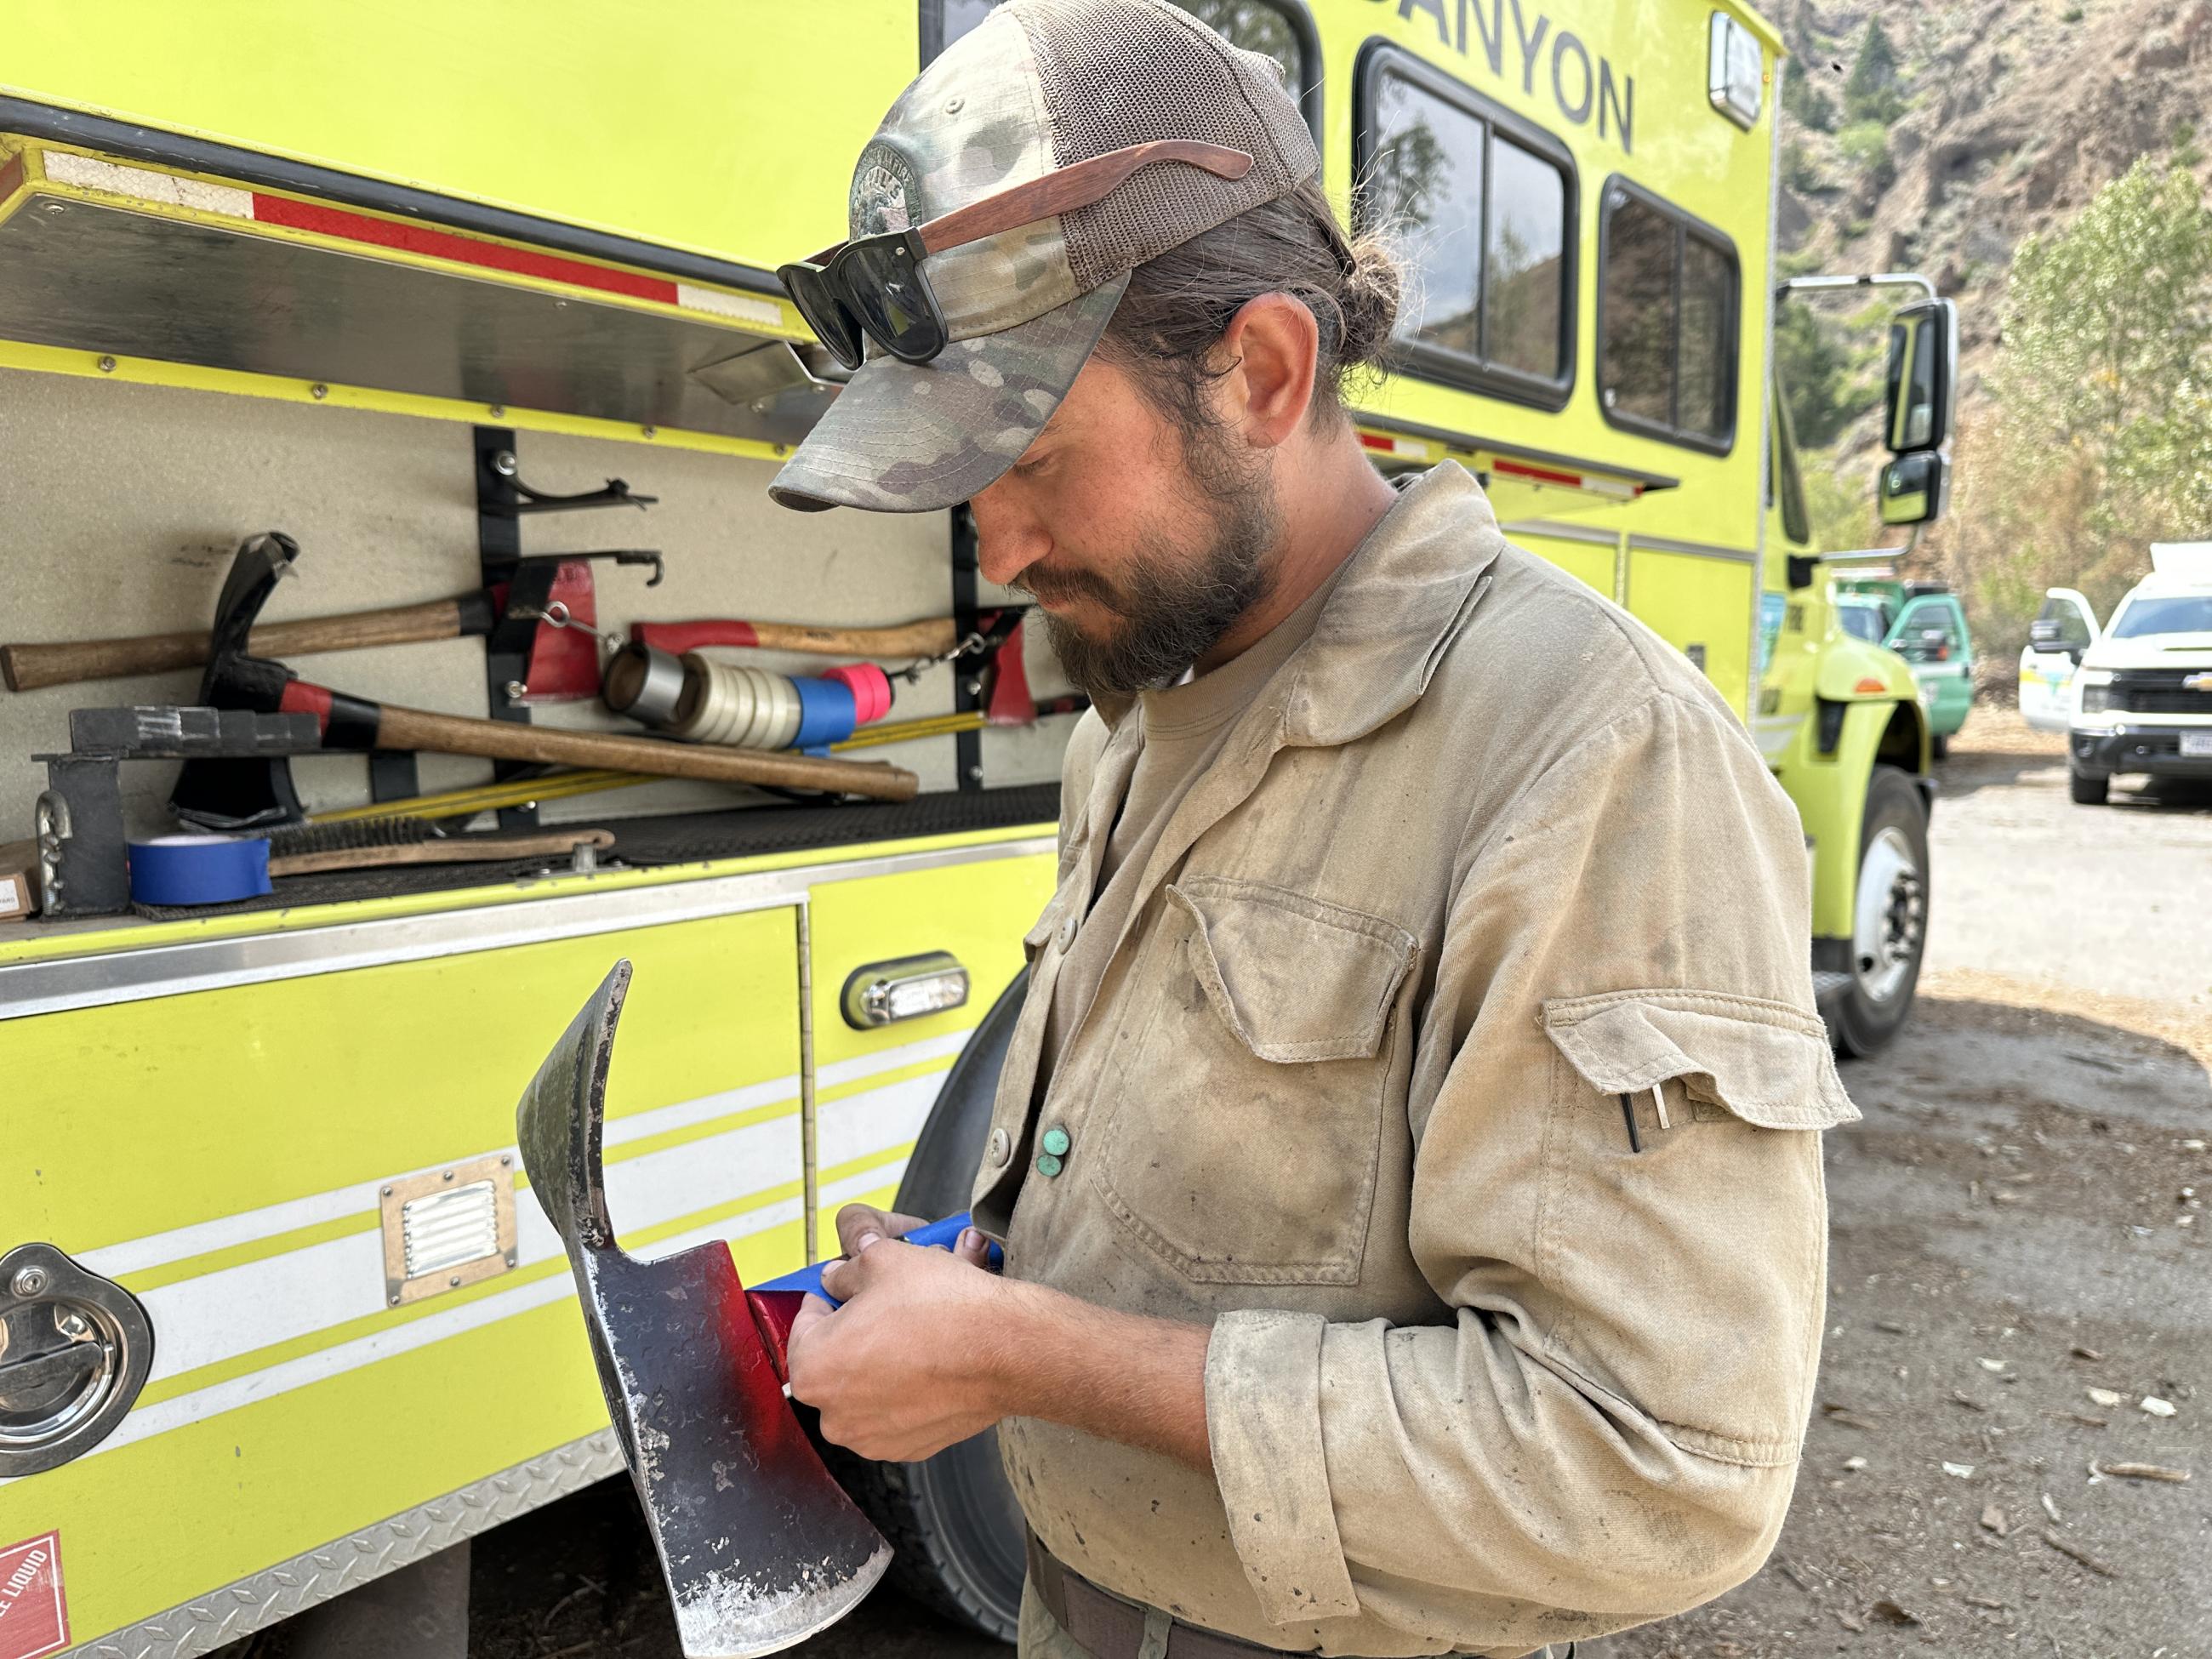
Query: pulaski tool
x,y
564,661
760,1547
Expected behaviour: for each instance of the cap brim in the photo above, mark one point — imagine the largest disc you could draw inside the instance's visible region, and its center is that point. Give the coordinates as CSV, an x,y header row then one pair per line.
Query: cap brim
x,y
919,437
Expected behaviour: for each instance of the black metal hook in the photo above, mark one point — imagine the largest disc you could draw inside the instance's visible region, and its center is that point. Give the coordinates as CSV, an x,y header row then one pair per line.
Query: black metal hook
x,y
614,493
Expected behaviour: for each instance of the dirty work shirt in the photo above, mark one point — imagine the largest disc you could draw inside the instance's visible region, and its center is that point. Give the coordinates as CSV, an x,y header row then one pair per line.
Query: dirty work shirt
x,y
1481,858
1181,729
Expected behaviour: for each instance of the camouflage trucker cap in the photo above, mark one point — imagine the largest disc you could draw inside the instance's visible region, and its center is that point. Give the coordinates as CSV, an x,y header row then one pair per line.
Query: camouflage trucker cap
x,y
1039,84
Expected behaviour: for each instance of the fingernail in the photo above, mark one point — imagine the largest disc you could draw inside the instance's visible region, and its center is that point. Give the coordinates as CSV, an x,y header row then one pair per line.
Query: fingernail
x,y
970,1239
865,1240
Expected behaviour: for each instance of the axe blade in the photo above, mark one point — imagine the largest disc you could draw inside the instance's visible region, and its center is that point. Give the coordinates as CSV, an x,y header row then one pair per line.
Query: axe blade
x,y
760,1547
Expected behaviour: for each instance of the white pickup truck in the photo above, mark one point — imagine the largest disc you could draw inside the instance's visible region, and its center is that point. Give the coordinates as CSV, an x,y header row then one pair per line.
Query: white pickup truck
x,y
2135,695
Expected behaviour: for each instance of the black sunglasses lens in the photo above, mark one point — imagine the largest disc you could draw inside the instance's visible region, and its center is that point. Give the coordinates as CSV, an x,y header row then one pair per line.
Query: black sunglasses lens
x,y
895,303
836,327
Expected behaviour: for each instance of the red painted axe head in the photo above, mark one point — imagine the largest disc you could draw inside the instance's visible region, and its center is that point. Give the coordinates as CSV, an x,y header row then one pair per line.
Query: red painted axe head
x,y
760,1547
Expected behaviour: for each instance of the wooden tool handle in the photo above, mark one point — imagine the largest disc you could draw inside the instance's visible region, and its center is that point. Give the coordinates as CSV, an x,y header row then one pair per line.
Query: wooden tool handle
x,y
931,638
27,667
453,734
473,849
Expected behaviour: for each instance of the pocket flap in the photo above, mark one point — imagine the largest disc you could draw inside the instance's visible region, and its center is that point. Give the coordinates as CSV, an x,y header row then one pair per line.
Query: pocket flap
x,y
1034,941
1767,1062
1295,978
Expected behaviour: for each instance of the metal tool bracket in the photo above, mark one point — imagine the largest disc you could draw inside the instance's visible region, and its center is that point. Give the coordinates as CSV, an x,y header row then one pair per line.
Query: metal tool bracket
x,y
967,676
502,499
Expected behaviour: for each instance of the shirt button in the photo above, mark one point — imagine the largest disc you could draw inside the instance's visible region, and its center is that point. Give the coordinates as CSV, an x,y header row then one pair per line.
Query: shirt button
x,y
1055,1141
1067,931
1047,1165
1002,1146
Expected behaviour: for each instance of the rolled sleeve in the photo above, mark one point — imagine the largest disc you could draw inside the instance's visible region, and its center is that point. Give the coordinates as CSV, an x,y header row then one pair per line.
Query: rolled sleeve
x,y
1601,1425
1263,1414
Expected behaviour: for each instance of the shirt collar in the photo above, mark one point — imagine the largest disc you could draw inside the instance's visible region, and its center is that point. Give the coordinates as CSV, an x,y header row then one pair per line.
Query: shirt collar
x,y
1400,597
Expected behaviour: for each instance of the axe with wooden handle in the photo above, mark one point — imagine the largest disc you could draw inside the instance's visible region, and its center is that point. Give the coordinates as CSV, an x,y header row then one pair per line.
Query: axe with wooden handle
x,y
563,667
760,1547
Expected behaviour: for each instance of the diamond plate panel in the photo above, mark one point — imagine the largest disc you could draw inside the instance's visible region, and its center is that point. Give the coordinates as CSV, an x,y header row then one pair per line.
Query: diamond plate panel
x,y
275,1593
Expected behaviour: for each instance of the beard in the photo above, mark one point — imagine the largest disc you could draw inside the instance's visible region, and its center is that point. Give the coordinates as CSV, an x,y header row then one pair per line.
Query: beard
x,y
1168,607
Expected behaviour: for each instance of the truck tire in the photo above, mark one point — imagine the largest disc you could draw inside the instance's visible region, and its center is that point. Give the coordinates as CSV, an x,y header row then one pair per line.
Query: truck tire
x,y
2088,790
955,1530
1939,746
1890,931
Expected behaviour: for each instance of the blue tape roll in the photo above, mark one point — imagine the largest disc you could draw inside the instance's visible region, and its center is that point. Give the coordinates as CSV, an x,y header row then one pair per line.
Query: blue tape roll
x,y
827,713
941,1234
199,869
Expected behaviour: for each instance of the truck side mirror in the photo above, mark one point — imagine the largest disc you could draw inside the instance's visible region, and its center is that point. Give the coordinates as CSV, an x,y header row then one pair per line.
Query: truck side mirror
x,y
2048,634
1914,487
1924,360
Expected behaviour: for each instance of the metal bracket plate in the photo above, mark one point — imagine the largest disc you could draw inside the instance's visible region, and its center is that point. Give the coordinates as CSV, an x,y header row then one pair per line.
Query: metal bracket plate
x,y
447,1228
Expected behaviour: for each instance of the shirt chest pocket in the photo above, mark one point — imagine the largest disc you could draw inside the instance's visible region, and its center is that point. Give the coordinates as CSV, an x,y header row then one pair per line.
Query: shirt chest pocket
x,y
1241,1139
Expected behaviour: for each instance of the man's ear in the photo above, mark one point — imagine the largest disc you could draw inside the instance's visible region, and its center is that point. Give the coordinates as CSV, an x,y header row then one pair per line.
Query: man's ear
x,y
1271,345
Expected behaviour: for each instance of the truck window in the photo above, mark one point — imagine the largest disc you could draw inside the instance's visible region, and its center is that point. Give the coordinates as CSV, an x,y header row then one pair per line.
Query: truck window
x,y
1478,204
1930,633
2179,613
1667,321
1863,622
2073,631
1279,29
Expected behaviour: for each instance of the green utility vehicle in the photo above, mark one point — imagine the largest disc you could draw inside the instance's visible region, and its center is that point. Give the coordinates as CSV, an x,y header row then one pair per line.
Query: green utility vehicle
x,y
1925,623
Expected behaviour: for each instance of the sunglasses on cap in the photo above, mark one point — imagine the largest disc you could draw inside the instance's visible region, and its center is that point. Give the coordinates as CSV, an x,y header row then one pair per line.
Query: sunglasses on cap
x,y
875,287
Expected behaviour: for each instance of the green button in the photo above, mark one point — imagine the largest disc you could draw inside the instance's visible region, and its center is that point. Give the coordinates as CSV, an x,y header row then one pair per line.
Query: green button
x,y
1047,1165
1055,1141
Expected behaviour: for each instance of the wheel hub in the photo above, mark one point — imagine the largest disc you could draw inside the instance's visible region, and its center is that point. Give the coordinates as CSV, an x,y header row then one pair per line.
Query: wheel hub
x,y
1892,919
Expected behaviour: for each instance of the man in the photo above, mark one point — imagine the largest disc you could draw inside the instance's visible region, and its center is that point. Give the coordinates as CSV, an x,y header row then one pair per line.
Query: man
x,y
1405,1158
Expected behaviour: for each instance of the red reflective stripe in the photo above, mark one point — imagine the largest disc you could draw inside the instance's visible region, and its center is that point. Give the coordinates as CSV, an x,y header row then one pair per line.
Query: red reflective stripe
x,y
1541,474
1368,441
11,175
465,250
302,698
1867,687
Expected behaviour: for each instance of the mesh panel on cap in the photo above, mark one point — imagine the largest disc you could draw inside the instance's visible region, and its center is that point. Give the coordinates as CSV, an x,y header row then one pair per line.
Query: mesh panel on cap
x,y
1121,72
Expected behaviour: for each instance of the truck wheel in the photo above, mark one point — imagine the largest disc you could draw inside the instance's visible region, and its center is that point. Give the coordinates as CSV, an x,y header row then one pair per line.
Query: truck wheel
x,y
1889,933
2085,790
1939,745
954,1528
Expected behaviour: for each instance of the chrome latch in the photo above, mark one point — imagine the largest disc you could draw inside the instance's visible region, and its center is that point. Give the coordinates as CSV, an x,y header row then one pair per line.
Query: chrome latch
x,y
74,1351
884,992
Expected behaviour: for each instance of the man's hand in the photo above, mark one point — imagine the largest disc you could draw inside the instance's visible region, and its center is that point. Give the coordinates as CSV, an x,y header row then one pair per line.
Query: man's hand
x,y
904,1369
929,1349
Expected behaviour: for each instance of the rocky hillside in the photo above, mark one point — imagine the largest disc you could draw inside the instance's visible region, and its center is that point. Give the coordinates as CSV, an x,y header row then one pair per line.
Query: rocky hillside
x,y
1991,119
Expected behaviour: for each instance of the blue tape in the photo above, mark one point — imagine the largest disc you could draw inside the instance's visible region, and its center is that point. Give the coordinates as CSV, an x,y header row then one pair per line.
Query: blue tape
x,y
199,869
943,1235
827,712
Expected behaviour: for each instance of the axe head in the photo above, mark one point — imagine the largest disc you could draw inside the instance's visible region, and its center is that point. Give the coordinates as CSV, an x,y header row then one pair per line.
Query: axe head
x,y
760,1547
242,794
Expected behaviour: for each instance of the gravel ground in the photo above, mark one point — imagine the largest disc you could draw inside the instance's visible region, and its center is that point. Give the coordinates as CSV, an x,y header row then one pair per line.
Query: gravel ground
x,y
2015,1224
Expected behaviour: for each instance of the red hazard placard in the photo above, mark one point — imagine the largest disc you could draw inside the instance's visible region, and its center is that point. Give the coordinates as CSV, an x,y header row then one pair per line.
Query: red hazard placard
x,y
33,1612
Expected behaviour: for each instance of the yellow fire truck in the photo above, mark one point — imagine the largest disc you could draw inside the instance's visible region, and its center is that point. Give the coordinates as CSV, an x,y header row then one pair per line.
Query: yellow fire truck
x,y
273,1323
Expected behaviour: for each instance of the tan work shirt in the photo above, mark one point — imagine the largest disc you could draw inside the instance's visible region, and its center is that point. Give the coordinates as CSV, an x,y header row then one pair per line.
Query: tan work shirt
x,y
1483,857
1179,730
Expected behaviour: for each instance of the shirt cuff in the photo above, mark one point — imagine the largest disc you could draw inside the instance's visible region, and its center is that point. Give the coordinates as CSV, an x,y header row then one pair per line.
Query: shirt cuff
x,y
1263,1420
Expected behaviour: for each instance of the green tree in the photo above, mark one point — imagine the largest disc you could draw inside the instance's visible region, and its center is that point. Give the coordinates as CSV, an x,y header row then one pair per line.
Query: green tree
x,y
1805,103
1871,91
1865,145
2107,324
2101,437
1825,374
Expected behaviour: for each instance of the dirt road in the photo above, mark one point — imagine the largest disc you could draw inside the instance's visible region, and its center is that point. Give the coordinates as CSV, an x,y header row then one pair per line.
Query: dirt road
x,y
2017,1223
